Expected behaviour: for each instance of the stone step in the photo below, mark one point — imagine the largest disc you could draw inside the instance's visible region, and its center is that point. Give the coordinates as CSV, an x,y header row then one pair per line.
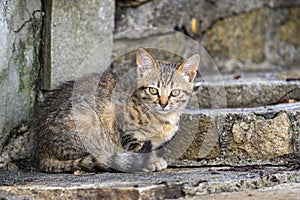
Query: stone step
x,y
168,184
245,141
282,191
246,92
216,153
239,122
239,137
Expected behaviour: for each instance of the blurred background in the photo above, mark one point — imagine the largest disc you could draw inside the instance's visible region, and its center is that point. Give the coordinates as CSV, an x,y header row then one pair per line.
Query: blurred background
x,y
239,35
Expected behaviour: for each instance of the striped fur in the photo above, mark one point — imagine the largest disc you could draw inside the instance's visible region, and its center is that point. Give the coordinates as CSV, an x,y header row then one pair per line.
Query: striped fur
x,y
80,128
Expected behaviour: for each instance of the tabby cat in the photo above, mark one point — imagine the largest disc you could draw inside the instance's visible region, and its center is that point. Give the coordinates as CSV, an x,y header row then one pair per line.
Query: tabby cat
x,y
81,127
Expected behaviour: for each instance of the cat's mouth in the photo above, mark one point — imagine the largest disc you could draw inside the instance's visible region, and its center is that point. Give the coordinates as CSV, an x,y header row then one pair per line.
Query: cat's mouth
x,y
164,110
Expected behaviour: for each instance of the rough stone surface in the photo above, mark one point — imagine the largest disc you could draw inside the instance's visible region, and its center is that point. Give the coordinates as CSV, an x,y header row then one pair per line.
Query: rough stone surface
x,y
249,92
297,134
282,191
205,140
245,136
178,14
287,32
168,184
19,146
81,39
239,35
20,30
289,74
252,179
282,47
80,32
264,138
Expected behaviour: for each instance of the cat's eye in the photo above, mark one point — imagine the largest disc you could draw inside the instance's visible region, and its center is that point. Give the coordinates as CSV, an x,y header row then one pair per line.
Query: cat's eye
x,y
175,93
153,91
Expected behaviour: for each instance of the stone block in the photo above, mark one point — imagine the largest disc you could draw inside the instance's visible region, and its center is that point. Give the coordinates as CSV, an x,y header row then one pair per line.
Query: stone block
x,y
263,138
205,141
249,92
20,30
240,37
283,45
80,35
239,137
289,30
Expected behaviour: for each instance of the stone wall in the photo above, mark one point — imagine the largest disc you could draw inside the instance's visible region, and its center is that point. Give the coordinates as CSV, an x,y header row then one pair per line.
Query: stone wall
x,y
20,29
239,35
44,43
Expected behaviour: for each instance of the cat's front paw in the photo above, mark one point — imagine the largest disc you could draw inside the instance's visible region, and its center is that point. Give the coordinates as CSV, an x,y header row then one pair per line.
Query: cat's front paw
x,y
155,165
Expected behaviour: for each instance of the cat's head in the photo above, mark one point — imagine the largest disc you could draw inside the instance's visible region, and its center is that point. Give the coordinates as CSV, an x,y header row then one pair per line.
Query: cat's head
x,y
165,87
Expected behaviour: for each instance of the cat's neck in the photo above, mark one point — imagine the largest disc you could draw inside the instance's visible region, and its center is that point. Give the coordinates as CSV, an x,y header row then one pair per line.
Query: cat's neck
x,y
169,118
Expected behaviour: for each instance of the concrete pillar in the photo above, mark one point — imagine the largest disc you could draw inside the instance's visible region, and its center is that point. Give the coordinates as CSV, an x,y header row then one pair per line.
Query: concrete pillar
x,y
78,39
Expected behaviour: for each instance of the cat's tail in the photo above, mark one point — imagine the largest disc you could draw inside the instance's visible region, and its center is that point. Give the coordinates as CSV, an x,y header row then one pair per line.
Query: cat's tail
x,y
109,155
130,162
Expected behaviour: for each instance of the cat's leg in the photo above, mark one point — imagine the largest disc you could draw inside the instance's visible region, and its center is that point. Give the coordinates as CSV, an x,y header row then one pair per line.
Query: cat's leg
x,y
87,163
155,163
53,165
131,143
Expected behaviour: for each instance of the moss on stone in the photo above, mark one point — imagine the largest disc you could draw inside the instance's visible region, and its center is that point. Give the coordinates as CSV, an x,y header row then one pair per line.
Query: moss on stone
x,y
21,62
3,135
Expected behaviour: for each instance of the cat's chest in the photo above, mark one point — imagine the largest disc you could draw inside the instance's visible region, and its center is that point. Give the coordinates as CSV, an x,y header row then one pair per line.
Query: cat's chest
x,y
164,130
167,131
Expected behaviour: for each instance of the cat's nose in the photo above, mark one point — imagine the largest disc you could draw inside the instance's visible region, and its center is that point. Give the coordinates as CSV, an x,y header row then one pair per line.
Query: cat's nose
x,y
163,105
163,102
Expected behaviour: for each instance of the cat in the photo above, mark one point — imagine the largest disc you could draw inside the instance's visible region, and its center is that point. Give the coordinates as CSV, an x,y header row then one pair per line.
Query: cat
x,y
82,127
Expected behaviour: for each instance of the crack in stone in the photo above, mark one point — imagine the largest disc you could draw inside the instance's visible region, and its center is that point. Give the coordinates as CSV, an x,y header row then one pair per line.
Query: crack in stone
x,y
267,115
289,92
27,21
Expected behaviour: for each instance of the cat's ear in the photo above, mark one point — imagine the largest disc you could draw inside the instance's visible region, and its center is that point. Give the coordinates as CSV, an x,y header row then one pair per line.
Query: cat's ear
x,y
145,62
189,68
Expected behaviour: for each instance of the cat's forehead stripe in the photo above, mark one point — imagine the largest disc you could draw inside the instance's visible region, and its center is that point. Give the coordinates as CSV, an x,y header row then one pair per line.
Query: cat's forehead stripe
x,y
167,74
172,83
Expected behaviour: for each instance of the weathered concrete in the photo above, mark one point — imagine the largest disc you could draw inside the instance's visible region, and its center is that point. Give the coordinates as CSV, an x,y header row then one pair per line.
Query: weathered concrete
x,y
169,184
20,30
80,35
